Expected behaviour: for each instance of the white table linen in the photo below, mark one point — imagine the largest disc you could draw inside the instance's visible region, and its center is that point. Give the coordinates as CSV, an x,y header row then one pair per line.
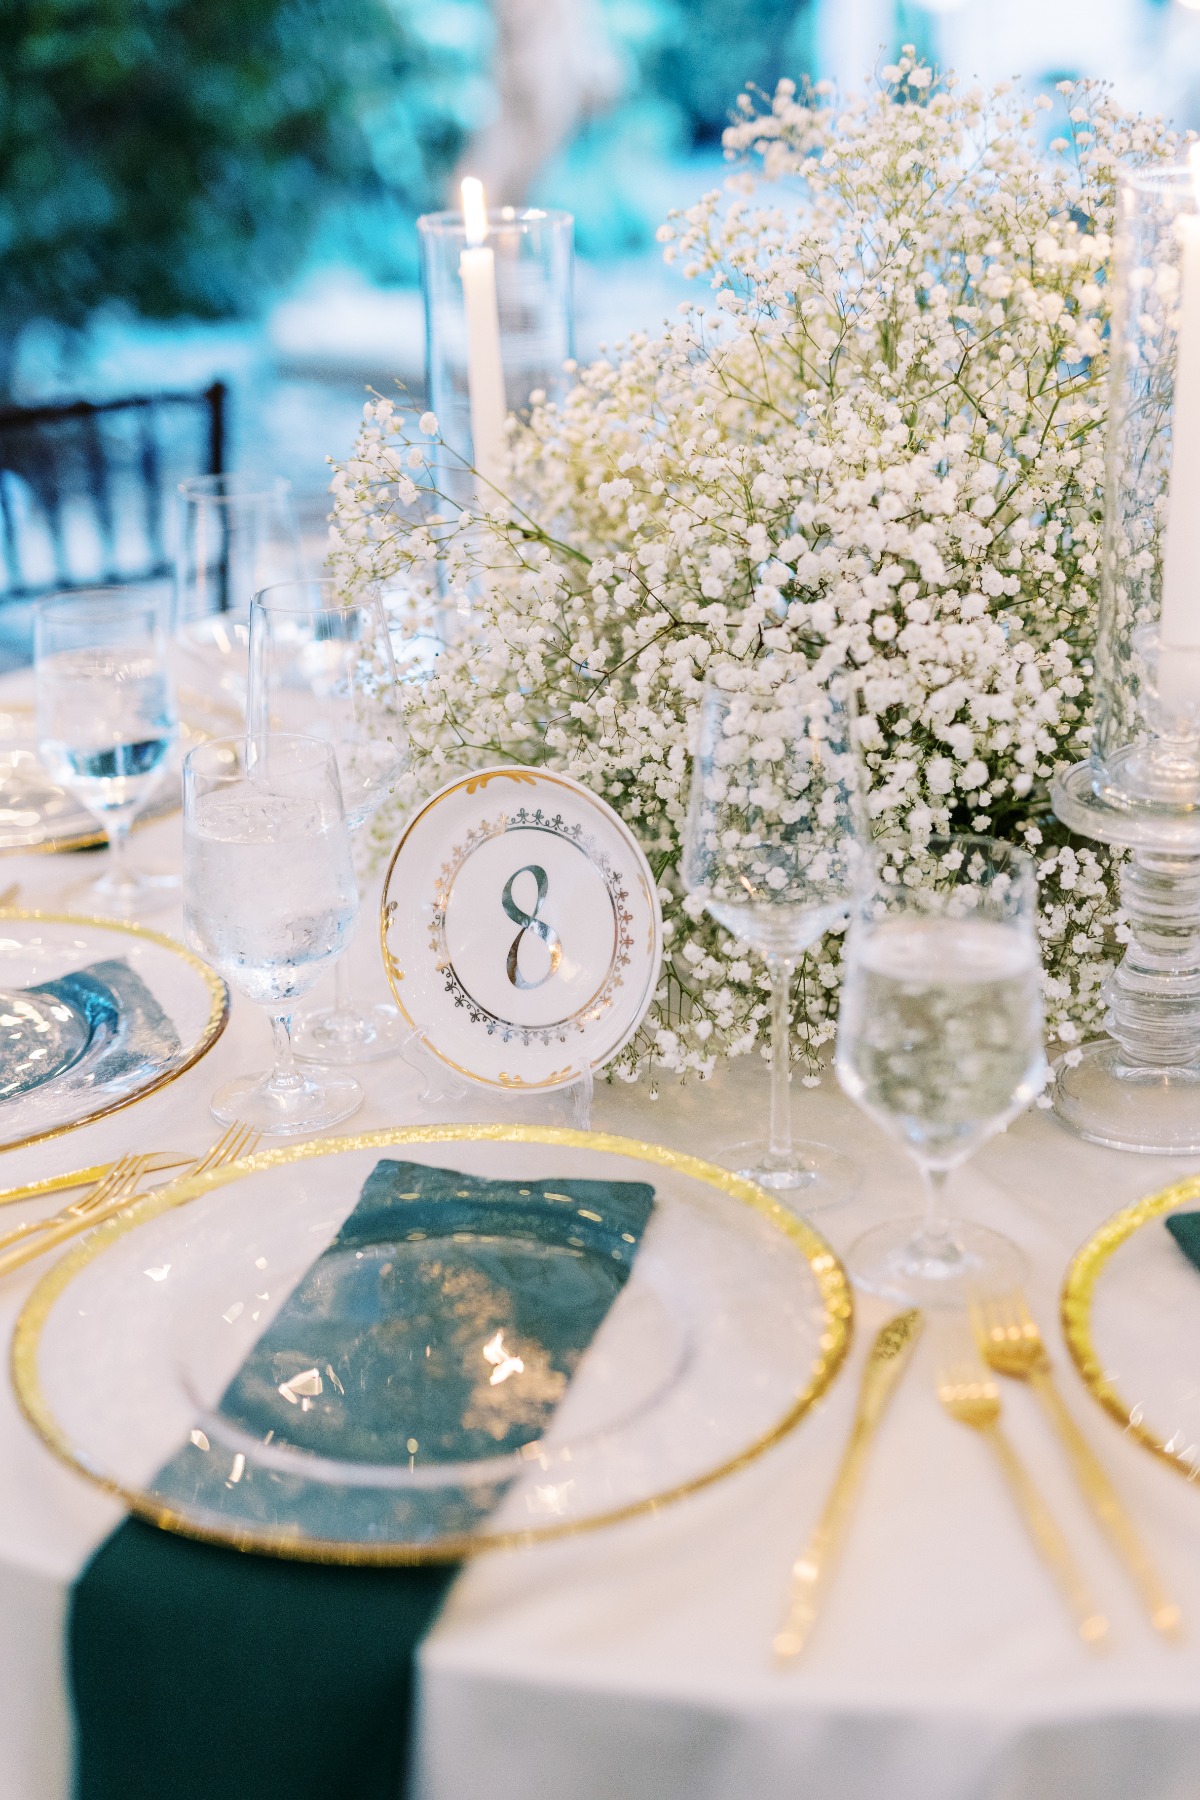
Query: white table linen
x,y
635,1662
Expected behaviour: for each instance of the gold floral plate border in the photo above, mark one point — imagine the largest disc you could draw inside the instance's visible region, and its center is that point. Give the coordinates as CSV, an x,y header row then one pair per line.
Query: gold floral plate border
x,y
830,1276
1079,1285
218,1013
522,776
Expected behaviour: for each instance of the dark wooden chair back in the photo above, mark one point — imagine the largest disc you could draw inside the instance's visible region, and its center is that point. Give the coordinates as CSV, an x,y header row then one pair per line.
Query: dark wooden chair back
x,y
86,487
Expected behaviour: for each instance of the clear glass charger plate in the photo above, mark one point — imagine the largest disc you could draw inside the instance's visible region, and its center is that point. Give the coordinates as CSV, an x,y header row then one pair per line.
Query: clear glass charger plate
x,y
1131,1315
94,1014
373,1431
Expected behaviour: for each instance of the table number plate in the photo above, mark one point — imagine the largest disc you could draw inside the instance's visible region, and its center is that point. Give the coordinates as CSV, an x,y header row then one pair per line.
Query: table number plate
x,y
521,929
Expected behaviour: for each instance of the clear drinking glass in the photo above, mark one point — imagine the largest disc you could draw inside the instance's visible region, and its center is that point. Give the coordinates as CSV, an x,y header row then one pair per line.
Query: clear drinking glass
x,y
940,1041
771,847
106,722
324,666
235,535
270,900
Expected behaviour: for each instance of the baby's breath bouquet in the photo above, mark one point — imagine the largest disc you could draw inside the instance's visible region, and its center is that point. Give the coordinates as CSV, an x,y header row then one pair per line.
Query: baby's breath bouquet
x,y
877,444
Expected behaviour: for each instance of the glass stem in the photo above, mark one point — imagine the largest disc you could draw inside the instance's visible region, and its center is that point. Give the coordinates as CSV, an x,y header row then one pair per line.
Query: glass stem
x,y
117,874
937,1224
284,1075
781,970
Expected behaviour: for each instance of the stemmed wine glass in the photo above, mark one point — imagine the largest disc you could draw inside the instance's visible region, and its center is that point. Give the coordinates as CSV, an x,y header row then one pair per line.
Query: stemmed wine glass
x,y
940,1041
106,722
235,534
270,900
324,666
771,848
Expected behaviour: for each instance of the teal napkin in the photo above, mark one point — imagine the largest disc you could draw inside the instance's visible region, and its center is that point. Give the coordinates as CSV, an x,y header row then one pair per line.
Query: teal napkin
x,y
1184,1227
115,1031
197,1671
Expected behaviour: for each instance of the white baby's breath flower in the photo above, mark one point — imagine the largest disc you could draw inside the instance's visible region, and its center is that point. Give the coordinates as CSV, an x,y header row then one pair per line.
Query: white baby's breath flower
x,y
880,449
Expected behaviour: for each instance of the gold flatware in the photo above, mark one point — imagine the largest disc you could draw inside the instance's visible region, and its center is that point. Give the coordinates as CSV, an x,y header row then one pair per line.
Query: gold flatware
x,y
970,1395
114,1195
1011,1344
886,1363
119,1179
11,894
155,1163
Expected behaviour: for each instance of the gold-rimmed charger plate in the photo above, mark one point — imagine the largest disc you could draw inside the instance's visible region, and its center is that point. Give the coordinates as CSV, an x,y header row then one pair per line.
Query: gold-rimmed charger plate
x,y
182,1009
1131,1316
108,1367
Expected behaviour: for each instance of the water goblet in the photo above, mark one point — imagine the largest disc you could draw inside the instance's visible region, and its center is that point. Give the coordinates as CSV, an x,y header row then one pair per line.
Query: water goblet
x,y
270,900
107,723
235,534
940,1041
324,666
771,847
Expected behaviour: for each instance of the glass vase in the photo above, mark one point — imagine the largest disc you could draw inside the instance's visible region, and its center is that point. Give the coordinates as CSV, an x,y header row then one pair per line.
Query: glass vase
x,y
1139,1088
521,272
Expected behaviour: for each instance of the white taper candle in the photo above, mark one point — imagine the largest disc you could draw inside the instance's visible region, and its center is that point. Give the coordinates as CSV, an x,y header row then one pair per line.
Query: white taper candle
x,y
485,367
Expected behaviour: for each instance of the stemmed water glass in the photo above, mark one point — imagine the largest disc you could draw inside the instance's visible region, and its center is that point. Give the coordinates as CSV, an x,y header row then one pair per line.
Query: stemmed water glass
x,y
106,722
235,534
270,900
771,848
940,1041
323,665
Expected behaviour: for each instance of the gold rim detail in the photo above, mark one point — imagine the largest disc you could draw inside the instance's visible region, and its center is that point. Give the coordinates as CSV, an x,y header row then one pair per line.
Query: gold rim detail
x,y
1079,1285
218,1013
395,974
832,1285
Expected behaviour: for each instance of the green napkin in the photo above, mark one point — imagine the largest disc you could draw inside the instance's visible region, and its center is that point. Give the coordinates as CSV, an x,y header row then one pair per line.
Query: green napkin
x,y
1184,1227
198,1671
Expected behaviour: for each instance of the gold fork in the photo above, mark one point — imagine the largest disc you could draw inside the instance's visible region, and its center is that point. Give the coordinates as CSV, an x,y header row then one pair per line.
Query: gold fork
x,y
121,1177
235,1141
1011,1343
970,1395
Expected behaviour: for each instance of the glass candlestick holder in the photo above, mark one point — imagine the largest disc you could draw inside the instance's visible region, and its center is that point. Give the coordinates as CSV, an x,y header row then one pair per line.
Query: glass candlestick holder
x,y
1139,1088
499,326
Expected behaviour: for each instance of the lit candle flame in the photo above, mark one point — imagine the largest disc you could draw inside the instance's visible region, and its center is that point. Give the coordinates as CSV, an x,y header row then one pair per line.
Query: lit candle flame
x,y
474,207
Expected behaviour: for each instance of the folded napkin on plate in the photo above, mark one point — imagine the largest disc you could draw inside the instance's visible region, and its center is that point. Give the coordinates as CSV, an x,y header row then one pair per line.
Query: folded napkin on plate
x,y
1184,1227
116,1029
198,1671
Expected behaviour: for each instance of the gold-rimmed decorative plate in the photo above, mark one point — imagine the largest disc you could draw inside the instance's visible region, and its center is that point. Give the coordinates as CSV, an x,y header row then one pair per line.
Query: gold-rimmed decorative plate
x,y
1131,1315
420,1343
522,934
94,1014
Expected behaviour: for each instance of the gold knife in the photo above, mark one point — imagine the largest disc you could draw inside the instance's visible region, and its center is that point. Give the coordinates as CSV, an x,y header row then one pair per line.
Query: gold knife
x,y
885,1365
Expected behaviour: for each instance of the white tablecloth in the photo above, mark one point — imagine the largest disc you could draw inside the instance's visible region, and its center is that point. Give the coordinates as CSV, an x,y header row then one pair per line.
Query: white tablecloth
x,y
634,1663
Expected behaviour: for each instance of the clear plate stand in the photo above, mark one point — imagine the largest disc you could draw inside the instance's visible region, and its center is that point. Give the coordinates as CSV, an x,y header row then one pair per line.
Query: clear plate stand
x,y
478,1102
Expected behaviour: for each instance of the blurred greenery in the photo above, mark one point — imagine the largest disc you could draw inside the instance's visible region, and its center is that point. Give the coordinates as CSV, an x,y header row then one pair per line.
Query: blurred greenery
x,y
175,155
182,158
685,63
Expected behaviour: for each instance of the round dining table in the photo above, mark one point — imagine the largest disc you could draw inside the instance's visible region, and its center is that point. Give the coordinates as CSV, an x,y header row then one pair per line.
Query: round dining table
x,y
635,1662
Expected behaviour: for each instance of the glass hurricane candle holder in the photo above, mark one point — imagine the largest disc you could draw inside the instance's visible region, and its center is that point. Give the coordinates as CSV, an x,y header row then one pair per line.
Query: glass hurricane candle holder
x,y
1139,1088
499,326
